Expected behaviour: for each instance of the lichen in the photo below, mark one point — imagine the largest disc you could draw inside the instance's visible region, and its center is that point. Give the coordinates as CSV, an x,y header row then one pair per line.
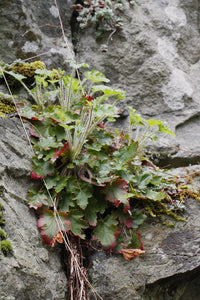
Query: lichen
x,y
6,247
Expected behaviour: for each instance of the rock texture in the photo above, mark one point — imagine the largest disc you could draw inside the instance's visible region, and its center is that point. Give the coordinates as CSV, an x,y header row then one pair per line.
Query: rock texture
x,y
155,59
34,271
33,30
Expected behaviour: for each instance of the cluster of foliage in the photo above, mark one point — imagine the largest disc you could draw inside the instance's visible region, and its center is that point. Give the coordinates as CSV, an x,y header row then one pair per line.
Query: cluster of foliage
x,y
93,181
5,245
103,14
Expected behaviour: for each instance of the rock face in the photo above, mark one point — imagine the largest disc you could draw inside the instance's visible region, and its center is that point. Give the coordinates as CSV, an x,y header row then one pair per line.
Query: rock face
x,y
33,30
156,59
34,271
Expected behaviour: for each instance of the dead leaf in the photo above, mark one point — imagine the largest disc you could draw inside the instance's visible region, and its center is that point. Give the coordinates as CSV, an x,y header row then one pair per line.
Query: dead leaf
x,y
57,238
129,254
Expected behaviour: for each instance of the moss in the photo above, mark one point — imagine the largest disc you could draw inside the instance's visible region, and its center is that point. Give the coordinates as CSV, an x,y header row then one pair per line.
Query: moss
x,y
6,107
6,247
2,190
2,221
2,234
27,69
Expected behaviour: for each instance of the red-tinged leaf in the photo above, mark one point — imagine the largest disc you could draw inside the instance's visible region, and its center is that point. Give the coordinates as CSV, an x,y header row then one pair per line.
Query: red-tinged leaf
x,y
36,176
56,154
33,133
65,149
127,208
37,199
105,231
141,244
54,120
128,223
49,225
45,238
118,232
42,167
135,241
101,125
116,192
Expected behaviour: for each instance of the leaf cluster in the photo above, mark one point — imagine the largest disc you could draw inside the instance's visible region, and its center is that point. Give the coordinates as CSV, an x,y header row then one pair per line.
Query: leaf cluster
x,y
95,182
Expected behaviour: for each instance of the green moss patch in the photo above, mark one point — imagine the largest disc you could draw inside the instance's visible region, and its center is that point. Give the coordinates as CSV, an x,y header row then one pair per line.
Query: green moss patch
x,y
6,107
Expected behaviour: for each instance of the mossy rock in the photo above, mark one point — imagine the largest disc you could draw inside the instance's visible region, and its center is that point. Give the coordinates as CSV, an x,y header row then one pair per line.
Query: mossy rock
x,y
6,247
27,69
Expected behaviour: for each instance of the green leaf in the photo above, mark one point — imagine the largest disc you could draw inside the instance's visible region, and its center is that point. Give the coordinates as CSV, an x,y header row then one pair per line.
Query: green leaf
x,y
58,132
61,184
37,199
76,65
41,167
91,215
162,127
82,198
138,219
95,76
18,77
43,127
153,122
126,153
105,231
143,180
156,196
135,118
108,91
66,201
116,192
49,142
49,225
77,223
28,112
134,241
165,129
51,181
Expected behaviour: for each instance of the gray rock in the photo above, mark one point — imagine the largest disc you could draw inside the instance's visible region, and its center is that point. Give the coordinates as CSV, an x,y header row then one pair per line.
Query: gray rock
x,y
33,30
155,59
34,271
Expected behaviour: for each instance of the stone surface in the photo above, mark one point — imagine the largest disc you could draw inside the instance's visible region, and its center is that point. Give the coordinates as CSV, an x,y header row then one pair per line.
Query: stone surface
x,y
34,271
33,30
155,59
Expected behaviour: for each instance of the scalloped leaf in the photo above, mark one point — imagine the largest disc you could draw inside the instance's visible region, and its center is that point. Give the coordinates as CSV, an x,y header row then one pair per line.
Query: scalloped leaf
x,y
49,225
37,199
95,76
105,231
77,223
117,192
